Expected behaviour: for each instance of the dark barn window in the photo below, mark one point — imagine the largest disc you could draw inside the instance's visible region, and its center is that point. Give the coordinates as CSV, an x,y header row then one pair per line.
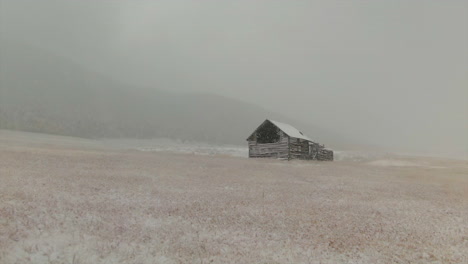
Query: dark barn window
x,y
268,133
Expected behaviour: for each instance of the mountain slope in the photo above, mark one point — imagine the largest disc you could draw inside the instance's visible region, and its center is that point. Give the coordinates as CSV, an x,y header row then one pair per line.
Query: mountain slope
x,y
42,92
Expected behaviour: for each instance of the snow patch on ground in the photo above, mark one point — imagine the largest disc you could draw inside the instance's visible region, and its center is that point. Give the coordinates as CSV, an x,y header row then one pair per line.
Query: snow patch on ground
x,y
358,155
181,146
199,148
396,163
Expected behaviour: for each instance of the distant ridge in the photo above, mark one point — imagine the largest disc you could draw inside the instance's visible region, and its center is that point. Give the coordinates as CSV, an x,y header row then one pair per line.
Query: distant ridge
x,y
42,92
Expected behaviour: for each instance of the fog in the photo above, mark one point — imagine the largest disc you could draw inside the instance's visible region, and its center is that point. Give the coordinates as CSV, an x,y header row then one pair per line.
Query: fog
x,y
388,74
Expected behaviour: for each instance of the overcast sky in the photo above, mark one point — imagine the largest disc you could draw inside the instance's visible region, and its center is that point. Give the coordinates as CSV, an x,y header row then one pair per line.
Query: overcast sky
x,y
392,73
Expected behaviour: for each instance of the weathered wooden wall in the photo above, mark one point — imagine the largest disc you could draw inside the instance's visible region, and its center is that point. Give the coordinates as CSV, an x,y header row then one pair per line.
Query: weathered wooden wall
x,y
298,148
269,150
325,154
289,148
319,152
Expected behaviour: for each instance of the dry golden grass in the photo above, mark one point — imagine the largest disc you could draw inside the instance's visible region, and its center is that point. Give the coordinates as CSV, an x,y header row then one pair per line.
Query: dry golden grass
x,y
61,203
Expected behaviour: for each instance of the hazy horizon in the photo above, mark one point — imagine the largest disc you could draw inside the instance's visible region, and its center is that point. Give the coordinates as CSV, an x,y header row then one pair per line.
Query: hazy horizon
x,y
392,74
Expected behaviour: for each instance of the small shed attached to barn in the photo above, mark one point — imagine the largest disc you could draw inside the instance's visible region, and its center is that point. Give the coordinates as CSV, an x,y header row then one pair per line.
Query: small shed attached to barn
x,y
274,139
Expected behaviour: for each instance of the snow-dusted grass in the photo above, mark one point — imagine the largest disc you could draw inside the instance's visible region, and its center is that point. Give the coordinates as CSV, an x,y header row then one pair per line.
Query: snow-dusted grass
x,y
64,204
179,146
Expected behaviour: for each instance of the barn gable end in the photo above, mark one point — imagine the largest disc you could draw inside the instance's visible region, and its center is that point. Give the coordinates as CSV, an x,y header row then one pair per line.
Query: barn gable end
x,y
274,139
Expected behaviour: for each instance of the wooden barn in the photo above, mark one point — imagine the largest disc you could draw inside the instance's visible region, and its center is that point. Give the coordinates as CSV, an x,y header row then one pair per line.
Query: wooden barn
x,y
273,139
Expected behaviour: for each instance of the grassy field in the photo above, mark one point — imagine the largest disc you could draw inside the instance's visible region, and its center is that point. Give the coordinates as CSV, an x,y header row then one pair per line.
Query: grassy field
x,y
64,200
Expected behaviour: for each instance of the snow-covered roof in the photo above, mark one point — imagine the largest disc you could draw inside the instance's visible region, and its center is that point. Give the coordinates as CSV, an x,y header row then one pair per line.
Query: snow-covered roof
x,y
290,130
287,129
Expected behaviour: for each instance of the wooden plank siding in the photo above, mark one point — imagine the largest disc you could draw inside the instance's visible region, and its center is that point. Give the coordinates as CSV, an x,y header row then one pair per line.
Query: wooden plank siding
x,y
278,149
288,147
325,154
298,148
